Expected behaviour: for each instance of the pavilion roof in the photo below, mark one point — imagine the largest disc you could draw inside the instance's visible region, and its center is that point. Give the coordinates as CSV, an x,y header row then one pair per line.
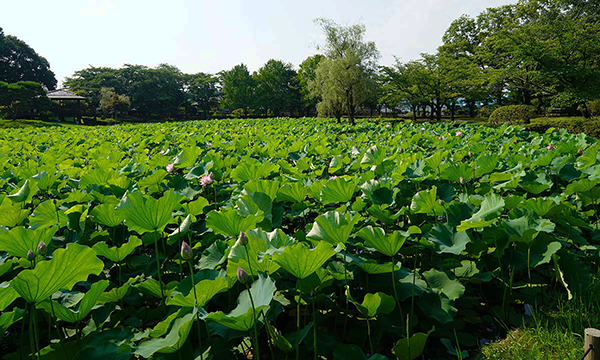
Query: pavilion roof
x,y
62,94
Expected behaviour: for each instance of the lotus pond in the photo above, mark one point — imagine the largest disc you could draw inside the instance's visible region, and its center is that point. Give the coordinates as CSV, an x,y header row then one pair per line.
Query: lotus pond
x,y
287,238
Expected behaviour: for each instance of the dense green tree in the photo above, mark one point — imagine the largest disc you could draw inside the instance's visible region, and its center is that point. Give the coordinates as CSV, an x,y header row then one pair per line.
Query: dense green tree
x,y
19,62
306,74
350,66
1,40
402,85
24,99
202,89
155,92
89,82
238,88
324,86
113,103
277,88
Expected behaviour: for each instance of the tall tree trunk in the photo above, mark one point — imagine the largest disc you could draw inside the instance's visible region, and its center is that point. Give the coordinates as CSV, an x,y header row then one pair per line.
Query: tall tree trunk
x,y
471,105
414,112
452,110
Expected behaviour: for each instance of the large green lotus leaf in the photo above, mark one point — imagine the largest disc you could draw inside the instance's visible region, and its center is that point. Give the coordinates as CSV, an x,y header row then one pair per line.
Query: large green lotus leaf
x,y
491,207
146,214
437,306
47,215
196,172
242,317
269,187
187,157
195,207
447,240
181,230
256,204
348,352
373,267
373,156
7,295
292,192
250,170
526,228
541,251
229,222
76,217
67,267
455,172
540,206
174,340
82,309
44,180
25,192
12,214
591,197
379,192
571,272
106,214
375,304
205,290
410,349
588,158
441,283
387,244
9,318
153,179
301,261
426,202
117,253
19,240
486,164
213,256
116,294
261,245
338,190
333,226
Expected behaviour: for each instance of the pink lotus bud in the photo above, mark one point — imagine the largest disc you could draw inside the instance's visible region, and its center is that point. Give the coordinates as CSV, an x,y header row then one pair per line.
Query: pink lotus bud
x,y
170,168
580,151
387,126
242,275
42,249
242,239
186,251
515,141
162,152
206,179
208,144
422,129
470,153
549,147
441,138
30,255
458,133
462,180
440,201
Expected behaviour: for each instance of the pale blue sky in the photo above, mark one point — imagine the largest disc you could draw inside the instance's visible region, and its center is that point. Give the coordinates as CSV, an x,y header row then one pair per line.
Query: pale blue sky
x,y
210,36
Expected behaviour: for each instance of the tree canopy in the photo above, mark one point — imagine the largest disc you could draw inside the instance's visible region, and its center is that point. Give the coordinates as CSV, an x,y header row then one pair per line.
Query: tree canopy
x,y
348,70
19,62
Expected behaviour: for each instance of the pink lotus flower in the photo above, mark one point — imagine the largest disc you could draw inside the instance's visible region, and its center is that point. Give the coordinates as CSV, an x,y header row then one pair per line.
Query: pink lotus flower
x,y
387,126
470,153
549,147
441,138
422,129
515,141
458,133
580,151
462,179
208,144
206,179
170,168
333,177
162,152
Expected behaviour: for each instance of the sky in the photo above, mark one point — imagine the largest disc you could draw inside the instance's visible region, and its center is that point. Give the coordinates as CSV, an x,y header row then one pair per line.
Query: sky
x,y
210,36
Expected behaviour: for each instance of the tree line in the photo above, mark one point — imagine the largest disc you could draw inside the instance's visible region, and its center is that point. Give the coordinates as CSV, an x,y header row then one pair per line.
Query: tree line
x,y
542,53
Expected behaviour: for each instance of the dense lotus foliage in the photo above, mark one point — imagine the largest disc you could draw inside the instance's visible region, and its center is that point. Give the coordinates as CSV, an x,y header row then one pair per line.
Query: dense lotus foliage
x,y
286,238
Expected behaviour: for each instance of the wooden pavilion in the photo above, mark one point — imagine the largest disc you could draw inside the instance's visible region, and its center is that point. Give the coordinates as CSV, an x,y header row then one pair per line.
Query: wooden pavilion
x,y
68,104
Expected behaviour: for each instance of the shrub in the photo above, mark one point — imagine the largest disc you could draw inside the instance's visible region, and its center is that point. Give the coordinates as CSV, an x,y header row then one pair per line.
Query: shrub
x,y
594,108
487,110
238,113
590,127
512,114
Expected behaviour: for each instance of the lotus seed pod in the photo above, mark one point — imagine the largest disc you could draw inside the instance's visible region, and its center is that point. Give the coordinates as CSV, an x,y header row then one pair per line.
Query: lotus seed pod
x,y
186,251
42,249
30,255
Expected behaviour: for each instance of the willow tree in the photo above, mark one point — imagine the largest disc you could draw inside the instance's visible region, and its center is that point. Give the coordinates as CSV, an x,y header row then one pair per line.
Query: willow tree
x,y
348,70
